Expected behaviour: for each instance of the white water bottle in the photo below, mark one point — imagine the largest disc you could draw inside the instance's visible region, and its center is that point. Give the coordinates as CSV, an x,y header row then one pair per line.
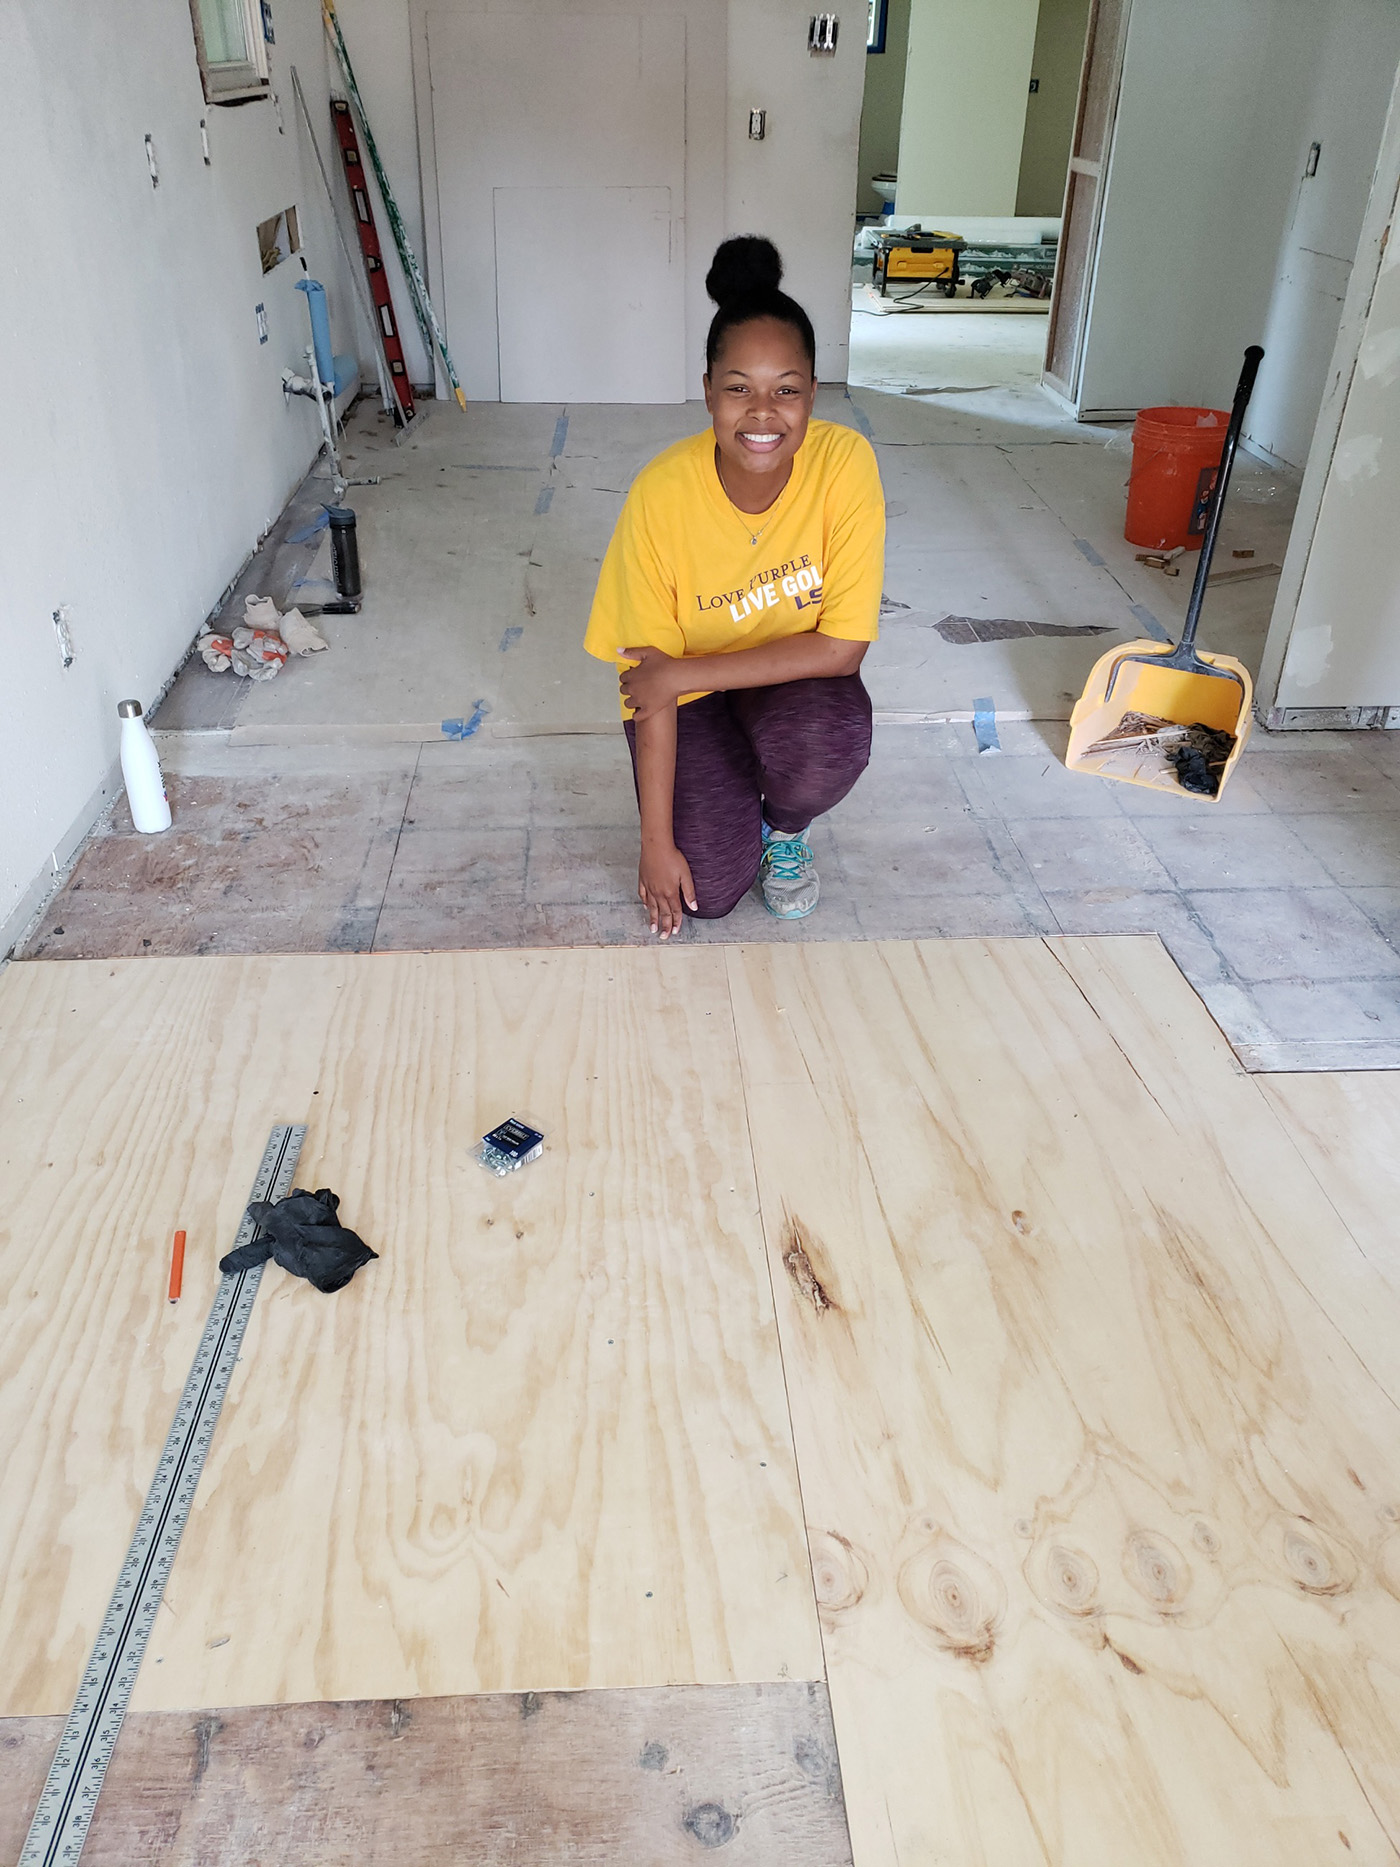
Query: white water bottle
x,y
145,788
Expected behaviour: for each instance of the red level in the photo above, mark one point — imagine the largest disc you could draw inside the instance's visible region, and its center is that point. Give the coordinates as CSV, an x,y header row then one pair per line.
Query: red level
x,y
369,246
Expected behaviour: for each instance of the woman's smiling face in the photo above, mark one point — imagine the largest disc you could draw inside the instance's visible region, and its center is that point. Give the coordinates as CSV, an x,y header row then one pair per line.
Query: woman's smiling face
x,y
760,398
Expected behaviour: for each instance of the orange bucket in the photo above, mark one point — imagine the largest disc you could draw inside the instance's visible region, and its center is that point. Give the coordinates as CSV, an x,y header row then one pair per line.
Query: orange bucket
x,y
1176,452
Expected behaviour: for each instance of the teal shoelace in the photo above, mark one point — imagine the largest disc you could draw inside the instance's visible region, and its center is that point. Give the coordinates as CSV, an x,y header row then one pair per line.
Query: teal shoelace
x,y
785,857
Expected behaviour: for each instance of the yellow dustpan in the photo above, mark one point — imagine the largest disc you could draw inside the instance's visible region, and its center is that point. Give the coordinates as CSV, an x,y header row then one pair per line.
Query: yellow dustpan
x,y
1111,728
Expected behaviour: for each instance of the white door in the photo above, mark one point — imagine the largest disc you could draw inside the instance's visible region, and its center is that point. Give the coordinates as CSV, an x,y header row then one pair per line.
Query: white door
x,y
588,296
560,154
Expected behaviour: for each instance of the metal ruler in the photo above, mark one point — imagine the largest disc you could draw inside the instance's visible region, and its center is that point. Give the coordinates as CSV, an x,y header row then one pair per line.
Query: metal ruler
x,y
61,1821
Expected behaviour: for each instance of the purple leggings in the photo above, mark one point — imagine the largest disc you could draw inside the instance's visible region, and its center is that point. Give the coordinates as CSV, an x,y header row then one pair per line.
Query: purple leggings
x,y
786,753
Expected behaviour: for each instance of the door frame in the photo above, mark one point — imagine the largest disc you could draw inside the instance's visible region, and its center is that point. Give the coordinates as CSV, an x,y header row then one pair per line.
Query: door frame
x,y
1085,167
1380,225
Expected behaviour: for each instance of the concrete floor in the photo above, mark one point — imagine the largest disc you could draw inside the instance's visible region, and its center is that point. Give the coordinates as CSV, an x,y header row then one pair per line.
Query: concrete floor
x,y
910,348
328,810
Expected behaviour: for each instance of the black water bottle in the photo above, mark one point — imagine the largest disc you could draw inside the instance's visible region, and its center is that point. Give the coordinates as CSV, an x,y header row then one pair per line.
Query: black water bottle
x,y
345,552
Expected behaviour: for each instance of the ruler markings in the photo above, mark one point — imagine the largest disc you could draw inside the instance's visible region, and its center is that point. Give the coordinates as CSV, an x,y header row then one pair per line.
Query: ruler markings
x,y
69,1797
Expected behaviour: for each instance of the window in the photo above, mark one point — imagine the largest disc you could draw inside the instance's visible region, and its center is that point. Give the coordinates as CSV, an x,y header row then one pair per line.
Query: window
x,y
876,24
232,47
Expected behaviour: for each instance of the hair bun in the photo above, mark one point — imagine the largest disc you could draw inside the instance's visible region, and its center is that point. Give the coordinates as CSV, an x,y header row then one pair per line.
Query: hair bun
x,y
743,266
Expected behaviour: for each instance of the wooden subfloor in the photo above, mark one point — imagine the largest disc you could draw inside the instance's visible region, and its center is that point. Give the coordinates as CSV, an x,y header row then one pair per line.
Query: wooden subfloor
x,y
573,1779
1077,1348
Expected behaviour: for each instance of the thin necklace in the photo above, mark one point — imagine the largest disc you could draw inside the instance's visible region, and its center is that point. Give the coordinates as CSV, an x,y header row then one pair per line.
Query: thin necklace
x,y
742,517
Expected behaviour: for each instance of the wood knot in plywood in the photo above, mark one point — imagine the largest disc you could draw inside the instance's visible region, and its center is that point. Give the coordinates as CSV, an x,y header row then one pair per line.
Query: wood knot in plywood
x,y
1313,1563
711,1824
797,1262
1065,1579
839,1571
1158,1571
955,1596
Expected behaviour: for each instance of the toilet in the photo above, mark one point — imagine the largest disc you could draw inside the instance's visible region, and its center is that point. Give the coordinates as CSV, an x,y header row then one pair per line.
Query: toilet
x,y
884,186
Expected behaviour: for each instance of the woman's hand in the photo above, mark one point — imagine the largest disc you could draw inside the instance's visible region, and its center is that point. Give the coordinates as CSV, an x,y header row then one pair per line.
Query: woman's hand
x,y
663,882
652,684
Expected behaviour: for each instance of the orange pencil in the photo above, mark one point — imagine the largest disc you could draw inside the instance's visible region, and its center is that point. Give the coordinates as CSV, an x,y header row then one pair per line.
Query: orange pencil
x,y
177,1266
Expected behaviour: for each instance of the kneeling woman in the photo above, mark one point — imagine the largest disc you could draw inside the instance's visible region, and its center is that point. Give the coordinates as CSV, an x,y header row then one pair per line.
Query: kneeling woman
x,y
741,588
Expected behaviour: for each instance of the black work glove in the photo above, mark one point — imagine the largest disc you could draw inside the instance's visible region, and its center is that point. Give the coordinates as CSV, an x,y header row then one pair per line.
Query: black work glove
x,y
302,1233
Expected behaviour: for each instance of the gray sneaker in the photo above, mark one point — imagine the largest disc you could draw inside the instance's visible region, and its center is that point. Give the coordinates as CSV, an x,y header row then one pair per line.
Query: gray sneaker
x,y
788,873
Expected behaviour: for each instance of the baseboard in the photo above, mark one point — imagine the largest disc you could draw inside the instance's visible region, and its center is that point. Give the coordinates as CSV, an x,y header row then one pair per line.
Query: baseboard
x,y
55,872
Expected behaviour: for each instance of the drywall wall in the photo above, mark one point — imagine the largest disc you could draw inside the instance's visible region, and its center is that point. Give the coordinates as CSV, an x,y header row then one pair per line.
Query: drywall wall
x,y
882,107
540,113
1349,88
1050,107
799,184
1219,102
1336,627
966,83
148,443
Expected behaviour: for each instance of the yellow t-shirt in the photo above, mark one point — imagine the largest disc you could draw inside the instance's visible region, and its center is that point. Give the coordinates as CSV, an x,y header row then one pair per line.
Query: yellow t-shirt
x,y
683,574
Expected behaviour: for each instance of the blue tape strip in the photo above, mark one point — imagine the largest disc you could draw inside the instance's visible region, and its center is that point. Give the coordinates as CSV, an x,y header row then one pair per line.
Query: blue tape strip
x,y
463,729
542,504
1086,550
511,636
984,724
561,434
859,417
1149,622
308,532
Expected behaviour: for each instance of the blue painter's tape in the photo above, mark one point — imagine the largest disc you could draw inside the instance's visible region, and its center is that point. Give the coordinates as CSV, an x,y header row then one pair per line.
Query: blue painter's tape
x,y
561,434
1149,622
463,729
511,636
542,504
1086,550
859,417
308,532
984,724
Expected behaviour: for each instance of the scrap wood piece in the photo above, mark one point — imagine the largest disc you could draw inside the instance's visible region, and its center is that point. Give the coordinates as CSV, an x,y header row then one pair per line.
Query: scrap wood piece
x,y
1244,573
659,1775
1141,731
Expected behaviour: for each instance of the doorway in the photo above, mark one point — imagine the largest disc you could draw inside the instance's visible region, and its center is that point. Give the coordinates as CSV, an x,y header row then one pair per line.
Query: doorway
x,y
967,128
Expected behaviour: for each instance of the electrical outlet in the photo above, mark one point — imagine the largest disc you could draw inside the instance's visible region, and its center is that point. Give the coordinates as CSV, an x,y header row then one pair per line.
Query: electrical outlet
x,y
64,634
151,161
260,313
1035,86
1314,153
758,125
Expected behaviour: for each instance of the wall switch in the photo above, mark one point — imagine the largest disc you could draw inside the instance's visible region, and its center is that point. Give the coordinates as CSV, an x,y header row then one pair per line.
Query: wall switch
x,y
260,313
1313,153
821,34
758,125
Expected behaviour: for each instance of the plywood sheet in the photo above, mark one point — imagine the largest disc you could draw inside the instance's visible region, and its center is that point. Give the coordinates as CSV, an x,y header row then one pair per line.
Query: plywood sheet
x,y
1347,1128
591,1779
1095,1401
541,1443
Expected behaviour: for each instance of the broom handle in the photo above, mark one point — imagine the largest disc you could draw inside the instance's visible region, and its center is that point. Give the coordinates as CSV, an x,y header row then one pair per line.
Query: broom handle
x,y
1253,357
